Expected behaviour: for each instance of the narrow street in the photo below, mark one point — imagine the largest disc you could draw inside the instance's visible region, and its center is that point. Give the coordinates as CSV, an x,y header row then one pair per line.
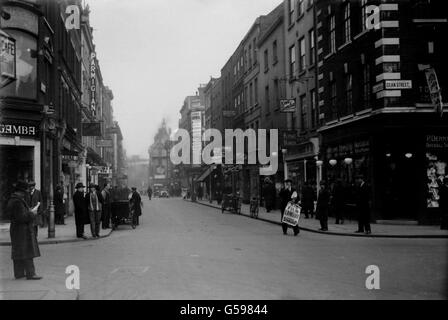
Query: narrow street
x,y
183,250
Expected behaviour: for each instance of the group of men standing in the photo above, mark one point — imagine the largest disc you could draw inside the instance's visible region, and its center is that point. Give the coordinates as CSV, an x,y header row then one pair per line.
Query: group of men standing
x,y
92,208
325,199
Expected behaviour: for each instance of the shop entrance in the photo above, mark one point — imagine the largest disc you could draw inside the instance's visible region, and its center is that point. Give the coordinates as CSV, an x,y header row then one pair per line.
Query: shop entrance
x,y
16,163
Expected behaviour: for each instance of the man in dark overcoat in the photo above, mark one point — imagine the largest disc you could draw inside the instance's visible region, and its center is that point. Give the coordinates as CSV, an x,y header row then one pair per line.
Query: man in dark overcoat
x,y
81,214
307,200
24,245
323,206
135,203
362,194
269,194
59,205
285,197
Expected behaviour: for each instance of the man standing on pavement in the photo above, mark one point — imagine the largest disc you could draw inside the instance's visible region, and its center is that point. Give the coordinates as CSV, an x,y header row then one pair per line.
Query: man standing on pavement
x,y
307,200
80,210
107,203
286,195
269,194
36,201
323,206
362,205
24,245
136,203
94,209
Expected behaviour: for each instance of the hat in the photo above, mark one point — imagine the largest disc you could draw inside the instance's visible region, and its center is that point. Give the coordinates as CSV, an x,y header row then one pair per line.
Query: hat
x,y
134,189
21,186
32,184
79,185
288,180
92,185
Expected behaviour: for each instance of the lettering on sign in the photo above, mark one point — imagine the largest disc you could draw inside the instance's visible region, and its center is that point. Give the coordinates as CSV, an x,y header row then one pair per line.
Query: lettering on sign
x,y
17,130
93,81
398,84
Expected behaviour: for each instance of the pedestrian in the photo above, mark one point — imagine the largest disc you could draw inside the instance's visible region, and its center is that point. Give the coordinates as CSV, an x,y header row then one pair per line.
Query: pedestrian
x,y
286,195
149,192
338,200
135,204
24,245
106,207
269,194
362,197
200,192
307,200
443,203
59,206
81,215
94,209
36,201
323,206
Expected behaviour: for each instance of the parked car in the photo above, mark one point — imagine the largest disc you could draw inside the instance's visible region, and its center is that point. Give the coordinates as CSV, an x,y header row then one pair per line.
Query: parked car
x,y
164,194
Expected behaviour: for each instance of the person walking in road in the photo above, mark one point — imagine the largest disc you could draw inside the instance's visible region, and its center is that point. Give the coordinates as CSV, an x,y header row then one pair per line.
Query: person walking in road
x,y
24,245
323,206
135,204
149,192
59,205
307,200
269,194
107,204
338,199
81,215
36,201
362,197
94,209
286,195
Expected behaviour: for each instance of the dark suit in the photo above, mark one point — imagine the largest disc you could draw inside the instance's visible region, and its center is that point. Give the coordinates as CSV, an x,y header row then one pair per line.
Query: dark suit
x,y
285,198
362,207
136,208
80,212
307,201
322,208
59,206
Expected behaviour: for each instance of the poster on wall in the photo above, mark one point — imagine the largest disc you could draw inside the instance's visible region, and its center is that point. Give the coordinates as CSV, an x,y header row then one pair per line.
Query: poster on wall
x,y
436,167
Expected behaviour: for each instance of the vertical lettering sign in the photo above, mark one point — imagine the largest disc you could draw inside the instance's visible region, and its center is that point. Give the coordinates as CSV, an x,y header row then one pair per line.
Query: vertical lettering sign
x,y
93,81
7,58
434,89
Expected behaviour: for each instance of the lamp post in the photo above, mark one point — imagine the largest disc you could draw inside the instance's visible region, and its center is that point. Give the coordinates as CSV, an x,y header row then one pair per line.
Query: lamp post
x,y
348,162
319,164
285,167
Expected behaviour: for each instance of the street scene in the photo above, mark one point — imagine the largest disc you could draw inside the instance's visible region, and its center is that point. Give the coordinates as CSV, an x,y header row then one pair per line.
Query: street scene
x,y
223,150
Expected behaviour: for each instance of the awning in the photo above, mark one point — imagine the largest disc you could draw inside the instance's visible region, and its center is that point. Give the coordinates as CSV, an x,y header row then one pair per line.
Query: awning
x,y
94,159
205,174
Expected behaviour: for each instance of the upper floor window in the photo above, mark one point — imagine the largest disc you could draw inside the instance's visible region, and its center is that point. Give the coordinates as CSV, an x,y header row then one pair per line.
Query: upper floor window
x,y
303,113
292,61
366,85
302,54
290,11
363,14
275,52
347,26
301,8
312,47
266,60
332,37
348,93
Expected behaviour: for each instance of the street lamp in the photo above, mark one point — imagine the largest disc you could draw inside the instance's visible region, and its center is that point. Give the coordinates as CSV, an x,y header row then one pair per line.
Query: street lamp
x,y
348,162
285,167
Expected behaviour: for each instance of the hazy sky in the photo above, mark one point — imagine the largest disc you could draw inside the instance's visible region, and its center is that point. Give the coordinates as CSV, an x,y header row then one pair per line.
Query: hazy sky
x,y
153,53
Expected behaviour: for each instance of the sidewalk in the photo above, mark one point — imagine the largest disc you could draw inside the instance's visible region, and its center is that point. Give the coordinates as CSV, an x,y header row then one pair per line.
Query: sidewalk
x,y
64,233
348,228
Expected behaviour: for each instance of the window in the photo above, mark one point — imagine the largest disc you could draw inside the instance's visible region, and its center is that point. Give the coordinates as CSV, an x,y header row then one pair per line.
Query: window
x,y
292,61
348,93
333,97
312,47
347,27
267,100
251,94
302,54
363,14
301,8
313,108
332,34
256,91
275,52
255,50
293,120
276,93
266,60
303,113
366,86
290,11
250,56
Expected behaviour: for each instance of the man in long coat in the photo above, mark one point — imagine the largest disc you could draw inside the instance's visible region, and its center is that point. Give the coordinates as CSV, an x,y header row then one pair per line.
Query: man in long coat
x,y
285,197
362,205
59,205
135,203
323,206
269,194
81,214
24,245
307,200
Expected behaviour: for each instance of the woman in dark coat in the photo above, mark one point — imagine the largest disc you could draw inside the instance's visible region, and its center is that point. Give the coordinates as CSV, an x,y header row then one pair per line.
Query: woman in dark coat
x,y
24,245
59,207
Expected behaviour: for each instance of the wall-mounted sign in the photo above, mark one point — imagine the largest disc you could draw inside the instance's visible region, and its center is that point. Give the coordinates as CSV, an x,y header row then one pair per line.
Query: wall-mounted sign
x,y
398,84
7,59
93,81
434,89
17,129
288,105
290,138
91,129
105,143
228,113
378,87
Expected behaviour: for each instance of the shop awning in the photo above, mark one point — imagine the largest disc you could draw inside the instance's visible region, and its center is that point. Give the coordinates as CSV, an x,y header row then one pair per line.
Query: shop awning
x,y
205,174
94,158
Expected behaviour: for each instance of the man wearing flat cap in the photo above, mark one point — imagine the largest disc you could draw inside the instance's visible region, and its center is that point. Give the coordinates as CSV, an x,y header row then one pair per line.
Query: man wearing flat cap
x,y
24,245
81,215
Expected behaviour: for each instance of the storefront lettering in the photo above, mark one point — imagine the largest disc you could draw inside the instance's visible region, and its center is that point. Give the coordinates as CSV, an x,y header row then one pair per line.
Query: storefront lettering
x,y
18,130
436,142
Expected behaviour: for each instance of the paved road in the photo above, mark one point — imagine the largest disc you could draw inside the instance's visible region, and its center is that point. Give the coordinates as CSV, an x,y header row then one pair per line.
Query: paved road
x,y
187,251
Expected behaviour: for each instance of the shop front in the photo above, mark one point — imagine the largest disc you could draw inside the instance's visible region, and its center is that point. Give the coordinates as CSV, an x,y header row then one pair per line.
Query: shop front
x,y
20,157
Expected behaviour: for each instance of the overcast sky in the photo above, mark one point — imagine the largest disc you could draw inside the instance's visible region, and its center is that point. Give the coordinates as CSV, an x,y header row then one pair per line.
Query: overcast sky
x,y
153,53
